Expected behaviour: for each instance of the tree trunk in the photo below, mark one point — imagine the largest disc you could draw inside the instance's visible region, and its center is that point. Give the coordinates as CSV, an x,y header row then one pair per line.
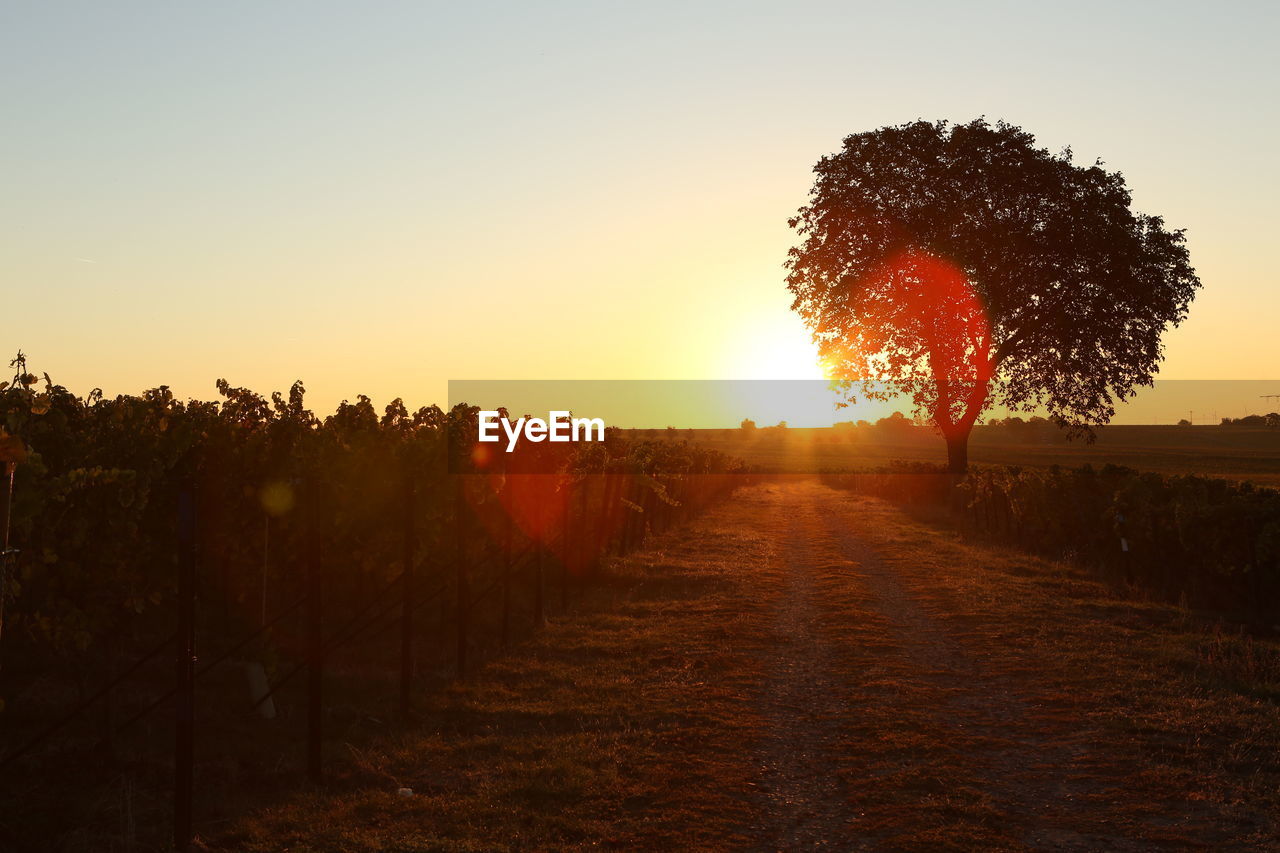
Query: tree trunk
x,y
958,452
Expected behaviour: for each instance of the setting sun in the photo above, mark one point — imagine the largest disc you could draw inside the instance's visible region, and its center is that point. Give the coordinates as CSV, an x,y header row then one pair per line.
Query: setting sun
x,y
773,347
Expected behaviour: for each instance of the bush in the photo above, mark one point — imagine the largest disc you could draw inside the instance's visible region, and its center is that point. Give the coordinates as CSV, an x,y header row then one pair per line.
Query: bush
x,y
1211,542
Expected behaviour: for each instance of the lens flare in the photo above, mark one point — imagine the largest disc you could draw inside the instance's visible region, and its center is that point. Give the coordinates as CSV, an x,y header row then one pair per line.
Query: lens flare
x,y
277,498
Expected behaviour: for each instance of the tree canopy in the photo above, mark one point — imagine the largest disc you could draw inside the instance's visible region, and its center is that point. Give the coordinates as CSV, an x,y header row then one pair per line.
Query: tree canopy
x,y
963,267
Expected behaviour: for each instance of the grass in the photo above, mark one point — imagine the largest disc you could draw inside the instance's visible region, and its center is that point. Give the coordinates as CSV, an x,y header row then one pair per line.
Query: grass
x,y
591,733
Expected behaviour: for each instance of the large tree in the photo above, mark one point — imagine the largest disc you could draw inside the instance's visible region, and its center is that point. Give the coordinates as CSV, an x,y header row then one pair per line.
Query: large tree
x,y
963,267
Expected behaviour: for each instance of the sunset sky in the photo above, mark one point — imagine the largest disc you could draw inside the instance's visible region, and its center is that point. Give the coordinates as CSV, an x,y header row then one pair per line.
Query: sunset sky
x,y
377,199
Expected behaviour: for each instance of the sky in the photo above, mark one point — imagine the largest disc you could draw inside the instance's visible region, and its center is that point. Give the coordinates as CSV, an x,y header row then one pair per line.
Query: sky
x,y
378,198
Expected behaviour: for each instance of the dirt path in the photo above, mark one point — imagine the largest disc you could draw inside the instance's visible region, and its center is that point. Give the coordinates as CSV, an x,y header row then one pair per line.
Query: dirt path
x,y
1022,770
898,714
806,669
800,702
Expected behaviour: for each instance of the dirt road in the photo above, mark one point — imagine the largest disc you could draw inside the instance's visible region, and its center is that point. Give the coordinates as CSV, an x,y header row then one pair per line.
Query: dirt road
x,y
806,669
922,693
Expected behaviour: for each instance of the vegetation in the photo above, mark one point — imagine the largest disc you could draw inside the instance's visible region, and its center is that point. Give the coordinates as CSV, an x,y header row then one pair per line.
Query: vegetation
x,y
357,495
1271,420
961,266
96,491
1209,542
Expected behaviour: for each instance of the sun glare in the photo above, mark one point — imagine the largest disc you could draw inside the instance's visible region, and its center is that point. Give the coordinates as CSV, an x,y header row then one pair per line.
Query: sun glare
x,y
775,348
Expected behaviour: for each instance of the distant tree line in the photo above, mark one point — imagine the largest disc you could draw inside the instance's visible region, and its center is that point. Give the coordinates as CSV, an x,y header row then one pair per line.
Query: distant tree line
x,y
1272,420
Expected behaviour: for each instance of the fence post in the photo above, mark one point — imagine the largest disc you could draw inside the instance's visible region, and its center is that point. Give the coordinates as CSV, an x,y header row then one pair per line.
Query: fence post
x,y
581,533
621,514
315,642
408,603
539,526
508,531
566,526
648,498
629,514
184,741
6,499
608,505
459,555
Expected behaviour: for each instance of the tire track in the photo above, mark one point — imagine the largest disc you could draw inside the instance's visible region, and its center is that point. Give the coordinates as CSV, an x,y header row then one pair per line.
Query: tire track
x,y
1022,768
803,798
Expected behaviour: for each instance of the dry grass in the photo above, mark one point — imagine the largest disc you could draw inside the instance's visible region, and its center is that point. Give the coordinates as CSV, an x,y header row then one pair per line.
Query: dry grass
x,y
626,724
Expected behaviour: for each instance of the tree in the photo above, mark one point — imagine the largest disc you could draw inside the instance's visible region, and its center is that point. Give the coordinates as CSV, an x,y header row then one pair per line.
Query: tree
x,y
896,422
961,266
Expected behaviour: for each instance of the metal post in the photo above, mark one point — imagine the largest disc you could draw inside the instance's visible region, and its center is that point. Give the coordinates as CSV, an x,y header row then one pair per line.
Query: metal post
x,y
6,498
581,532
266,566
566,525
609,533
315,643
539,616
460,555
642,517
407,604
184,745
628,514
508,532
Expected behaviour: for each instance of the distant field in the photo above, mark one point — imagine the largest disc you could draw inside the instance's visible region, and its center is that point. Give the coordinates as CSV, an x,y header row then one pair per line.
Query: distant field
x,y
1240,453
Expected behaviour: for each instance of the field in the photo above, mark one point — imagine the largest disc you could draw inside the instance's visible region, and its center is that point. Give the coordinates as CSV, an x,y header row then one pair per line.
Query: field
x,y
1239,453
804,667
